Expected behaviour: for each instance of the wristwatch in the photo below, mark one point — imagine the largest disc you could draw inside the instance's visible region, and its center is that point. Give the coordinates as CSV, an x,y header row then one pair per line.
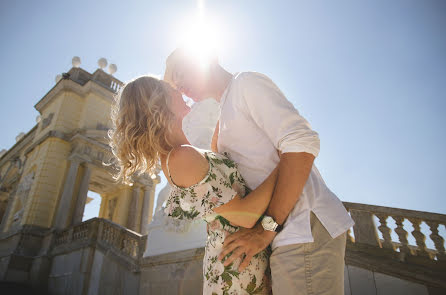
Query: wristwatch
x,y
268,223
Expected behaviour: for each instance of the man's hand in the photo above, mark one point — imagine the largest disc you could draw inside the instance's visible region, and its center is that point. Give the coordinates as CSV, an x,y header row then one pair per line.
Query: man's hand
x,y
248,241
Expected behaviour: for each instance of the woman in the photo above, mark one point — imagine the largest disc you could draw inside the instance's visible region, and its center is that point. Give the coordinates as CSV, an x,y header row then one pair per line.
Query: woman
x,y
147,116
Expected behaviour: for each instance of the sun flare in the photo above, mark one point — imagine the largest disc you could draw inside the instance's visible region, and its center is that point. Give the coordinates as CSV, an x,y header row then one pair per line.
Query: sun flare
x,y
198,36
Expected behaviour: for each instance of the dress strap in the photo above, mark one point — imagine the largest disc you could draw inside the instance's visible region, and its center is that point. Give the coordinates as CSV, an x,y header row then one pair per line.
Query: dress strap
x,y
167,166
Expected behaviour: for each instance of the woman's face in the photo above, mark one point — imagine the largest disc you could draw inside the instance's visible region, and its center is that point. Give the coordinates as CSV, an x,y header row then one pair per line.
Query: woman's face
x,y
175,102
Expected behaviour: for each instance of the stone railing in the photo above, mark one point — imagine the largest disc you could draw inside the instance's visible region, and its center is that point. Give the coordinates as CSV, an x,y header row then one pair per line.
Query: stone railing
x,y
74,235
401,243
116,85
121,239
382,240
124,242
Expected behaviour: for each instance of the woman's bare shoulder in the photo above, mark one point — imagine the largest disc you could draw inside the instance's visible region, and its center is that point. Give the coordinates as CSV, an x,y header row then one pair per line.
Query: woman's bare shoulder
x,y
187,166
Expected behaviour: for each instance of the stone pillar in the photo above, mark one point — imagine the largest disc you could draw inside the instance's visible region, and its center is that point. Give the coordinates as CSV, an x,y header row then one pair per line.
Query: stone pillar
x,y
147,207
82,196
63,210
133,209
365,228
3,205
103,206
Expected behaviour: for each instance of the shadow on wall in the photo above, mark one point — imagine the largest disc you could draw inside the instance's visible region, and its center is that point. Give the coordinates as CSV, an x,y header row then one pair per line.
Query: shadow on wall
x,y
17,288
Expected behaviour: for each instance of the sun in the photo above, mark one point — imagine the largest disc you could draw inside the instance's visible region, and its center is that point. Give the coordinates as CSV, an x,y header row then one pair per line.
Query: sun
x,y
200,43
199,37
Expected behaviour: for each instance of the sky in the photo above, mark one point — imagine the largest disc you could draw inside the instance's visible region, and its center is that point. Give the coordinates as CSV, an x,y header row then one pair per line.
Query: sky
x,y
369,76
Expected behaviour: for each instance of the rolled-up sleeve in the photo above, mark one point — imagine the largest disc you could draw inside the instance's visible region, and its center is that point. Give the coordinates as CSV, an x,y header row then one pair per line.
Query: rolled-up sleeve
x,y
273,113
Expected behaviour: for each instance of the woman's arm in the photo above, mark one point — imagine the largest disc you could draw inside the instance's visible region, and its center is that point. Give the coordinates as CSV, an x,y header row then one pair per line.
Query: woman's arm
x,y
187,167
246,211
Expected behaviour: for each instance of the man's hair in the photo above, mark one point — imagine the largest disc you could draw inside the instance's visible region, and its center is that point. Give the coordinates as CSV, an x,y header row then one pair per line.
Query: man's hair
x,y
181,56
176,58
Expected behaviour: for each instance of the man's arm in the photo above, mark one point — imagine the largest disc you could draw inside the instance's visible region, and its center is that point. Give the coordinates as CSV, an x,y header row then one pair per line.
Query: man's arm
x,y
294,169
299,144
249,242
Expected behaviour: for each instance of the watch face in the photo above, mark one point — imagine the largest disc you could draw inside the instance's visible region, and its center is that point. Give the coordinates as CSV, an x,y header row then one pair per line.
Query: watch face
x,y
268,223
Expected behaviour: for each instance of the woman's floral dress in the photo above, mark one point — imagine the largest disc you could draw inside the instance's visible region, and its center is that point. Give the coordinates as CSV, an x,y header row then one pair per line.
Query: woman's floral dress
x,y
218,187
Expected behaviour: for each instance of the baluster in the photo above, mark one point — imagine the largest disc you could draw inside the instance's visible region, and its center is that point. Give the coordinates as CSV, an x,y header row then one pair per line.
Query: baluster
x,y
111,237
402,235
438,240
349,236
105,233
121,243
385,230
123,247
114,237
419,237
129,247
135,249
70,235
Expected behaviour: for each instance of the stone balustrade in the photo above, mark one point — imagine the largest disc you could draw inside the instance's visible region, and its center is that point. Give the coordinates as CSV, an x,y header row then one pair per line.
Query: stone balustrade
x,y
404,244
115,85
102,231
366,231
392,253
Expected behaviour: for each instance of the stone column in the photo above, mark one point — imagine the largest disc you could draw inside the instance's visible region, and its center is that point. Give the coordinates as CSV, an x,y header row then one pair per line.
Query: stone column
x,y
133,209
82,196
103,205
147,207
3,205
63,210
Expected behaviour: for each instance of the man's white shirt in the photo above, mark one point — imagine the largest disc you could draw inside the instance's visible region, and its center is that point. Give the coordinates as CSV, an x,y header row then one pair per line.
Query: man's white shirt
x,y
255,121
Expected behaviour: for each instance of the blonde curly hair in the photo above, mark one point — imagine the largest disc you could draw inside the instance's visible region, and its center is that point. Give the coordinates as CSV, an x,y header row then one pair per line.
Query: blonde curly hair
x,y
141,121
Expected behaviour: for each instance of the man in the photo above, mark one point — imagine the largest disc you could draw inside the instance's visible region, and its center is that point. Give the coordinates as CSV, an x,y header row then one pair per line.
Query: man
x,y
305,222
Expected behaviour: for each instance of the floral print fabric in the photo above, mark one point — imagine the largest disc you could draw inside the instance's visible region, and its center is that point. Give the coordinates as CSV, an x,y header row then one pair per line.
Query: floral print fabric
x,y
222,183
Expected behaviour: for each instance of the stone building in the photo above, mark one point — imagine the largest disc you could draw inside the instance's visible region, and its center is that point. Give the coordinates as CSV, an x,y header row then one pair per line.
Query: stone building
x,y
44,180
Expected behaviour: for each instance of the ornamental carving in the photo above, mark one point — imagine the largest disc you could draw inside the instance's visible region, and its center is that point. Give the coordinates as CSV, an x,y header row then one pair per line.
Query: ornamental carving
x,y
47,120
91,152
22,194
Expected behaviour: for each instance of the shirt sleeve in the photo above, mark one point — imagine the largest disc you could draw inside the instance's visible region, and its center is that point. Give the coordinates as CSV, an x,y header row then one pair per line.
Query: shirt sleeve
x,y
276,116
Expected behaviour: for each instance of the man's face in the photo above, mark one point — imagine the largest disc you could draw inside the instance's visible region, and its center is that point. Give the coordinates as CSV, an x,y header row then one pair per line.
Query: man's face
x,y
191,80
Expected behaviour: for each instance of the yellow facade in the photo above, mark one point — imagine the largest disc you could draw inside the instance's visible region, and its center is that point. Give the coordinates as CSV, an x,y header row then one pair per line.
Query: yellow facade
x,y
45,176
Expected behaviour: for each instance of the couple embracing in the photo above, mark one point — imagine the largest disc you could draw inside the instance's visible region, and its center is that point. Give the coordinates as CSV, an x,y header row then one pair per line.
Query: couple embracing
x,y
273,225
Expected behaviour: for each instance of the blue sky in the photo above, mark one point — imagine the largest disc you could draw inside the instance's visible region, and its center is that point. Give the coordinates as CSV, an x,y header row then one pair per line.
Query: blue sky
x,y
370,76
